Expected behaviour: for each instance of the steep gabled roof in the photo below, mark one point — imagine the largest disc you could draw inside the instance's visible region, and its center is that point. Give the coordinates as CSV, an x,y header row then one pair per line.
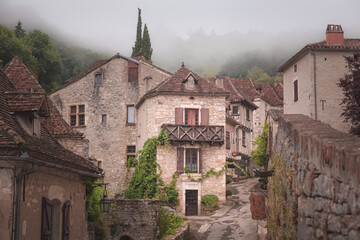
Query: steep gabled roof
x,y
270,95
246,86
20,102
142,59
15,142
92,68
25,85
176,85
351,45
279,88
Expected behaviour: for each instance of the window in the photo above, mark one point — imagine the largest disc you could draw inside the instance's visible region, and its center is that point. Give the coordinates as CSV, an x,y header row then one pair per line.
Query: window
x,y
227,140
296,91
132,71
243,138
191,117
98,77
77,115
130,114
235,110
295,68
191,160
248,114
103,118
130,156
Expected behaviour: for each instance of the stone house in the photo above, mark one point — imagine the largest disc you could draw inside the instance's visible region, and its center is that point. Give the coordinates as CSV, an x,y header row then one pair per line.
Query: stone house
x,y
100,103
312,74
239,124
192,110
42,192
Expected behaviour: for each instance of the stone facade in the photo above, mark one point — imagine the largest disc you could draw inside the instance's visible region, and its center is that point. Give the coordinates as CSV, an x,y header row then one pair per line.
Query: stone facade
x,y
109,140
316,70
321,178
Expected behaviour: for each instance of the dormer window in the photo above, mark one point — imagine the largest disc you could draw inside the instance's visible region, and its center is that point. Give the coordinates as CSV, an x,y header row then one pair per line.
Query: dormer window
x,y
190,82
30,122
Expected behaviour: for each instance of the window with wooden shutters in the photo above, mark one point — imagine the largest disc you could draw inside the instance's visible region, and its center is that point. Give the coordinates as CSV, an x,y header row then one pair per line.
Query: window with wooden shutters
x,y
191,160
180,160
46,219
227,140
66,220
204,116
296,89
179,116
191,116
133,71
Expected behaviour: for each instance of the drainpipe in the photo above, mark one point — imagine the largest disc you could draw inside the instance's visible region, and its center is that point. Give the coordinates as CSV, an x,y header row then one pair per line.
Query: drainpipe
x,y
315,97
18,198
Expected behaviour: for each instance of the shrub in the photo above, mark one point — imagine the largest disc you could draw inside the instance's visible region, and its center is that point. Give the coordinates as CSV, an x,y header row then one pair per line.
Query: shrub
x,y
228,193
228,180
168,223
210,202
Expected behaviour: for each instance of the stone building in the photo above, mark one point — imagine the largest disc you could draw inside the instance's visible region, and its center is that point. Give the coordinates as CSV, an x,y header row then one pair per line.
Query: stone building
x,y
192,110
42,194
312,74
239,123
100,103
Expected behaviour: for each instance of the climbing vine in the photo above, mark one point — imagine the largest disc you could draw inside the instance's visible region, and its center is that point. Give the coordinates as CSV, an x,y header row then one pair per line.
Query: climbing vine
x,y
237,166
208,174
259,154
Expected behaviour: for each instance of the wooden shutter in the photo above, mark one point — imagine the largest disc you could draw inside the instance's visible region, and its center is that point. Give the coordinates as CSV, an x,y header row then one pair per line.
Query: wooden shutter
x,y
66,220
46,217
133,71
204,116
179,116
180,160
296,96
200,161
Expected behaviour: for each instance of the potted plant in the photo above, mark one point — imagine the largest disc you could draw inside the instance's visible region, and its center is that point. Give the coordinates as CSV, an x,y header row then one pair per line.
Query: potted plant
x,y
228,194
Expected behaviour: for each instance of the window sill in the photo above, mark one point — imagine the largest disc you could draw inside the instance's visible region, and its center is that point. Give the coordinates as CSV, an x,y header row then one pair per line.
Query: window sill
x,y
130,124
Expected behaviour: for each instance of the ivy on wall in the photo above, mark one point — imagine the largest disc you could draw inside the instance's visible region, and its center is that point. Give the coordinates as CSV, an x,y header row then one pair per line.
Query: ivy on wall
x,y
259,154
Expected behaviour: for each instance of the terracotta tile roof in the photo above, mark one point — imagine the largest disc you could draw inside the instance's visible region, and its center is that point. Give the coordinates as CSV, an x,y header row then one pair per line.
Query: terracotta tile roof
x,y
279,88
175,85
14,141
351,45
92,68
25,83
247,86
19,102
270,95
275,113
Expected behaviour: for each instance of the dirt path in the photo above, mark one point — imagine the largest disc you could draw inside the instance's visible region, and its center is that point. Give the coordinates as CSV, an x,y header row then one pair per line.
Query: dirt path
x,y
232,220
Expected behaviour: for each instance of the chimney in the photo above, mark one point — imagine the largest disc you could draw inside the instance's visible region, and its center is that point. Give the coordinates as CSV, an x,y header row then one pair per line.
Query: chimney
x,y
334,34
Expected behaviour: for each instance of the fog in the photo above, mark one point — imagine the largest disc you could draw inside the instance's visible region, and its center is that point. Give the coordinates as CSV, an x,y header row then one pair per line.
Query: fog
x,y
203,33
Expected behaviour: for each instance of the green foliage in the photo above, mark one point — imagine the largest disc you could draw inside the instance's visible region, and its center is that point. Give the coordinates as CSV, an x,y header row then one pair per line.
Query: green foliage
x,y
260,76
144,183
282,216
228,180
228,193
210,202
100,232
131,162
208,174
137,48
19,32
146,48
259,154
170,192
168,223
237,166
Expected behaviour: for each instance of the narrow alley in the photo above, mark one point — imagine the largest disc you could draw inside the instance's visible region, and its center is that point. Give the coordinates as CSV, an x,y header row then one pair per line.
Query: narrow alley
x,y
233,220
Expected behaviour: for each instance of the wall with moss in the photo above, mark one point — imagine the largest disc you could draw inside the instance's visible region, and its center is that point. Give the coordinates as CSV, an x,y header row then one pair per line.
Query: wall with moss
x,y
315,190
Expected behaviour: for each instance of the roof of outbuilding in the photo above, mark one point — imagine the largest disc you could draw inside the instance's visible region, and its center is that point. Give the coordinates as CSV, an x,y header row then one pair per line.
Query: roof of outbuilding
x,y
14,140
352,45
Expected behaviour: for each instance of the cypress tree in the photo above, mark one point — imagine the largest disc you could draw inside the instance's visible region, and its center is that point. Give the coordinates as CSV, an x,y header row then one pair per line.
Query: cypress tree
x,y
146,44
137,48
19,32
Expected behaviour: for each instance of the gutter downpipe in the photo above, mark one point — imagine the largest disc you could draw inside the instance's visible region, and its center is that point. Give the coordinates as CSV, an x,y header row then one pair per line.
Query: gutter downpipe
x,y
315,97
18,198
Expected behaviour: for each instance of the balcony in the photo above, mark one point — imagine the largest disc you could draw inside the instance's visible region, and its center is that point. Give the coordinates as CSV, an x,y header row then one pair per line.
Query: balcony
x,y
195,133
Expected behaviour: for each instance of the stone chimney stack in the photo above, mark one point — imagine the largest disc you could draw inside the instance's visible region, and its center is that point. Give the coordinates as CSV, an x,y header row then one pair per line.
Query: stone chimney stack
x,y
334,34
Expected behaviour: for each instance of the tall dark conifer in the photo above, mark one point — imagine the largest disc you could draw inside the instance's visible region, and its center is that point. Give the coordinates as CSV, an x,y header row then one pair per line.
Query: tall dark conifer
x,y
19,32
137,48
146,45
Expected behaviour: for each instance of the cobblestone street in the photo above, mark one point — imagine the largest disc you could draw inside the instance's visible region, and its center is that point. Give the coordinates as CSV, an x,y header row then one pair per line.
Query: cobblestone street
x,y
232,220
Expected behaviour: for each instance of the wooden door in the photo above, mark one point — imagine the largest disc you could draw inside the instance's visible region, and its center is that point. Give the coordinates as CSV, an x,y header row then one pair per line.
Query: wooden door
x,y
191,202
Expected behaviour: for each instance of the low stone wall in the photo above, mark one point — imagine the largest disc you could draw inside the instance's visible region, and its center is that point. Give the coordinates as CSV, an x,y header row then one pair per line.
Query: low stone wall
x,y
320,177
138,220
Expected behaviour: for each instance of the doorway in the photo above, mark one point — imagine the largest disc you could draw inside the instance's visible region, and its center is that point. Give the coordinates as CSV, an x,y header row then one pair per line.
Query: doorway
x,y
191,202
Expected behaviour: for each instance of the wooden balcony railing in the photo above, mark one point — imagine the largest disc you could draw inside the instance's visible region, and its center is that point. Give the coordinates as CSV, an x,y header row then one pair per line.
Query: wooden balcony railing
x,y
195,134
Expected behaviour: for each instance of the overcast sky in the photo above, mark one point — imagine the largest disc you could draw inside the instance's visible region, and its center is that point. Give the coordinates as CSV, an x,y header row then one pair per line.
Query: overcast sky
x,y
192,30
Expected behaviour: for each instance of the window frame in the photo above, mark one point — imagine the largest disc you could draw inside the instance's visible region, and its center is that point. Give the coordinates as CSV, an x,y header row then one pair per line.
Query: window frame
x,y
247,114
190,152
130,152
104,118
98,83
237,110
76,116
127,114
186,116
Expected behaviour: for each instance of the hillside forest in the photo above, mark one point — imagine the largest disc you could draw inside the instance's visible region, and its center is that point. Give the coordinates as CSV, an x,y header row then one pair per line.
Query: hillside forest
x,y
53,62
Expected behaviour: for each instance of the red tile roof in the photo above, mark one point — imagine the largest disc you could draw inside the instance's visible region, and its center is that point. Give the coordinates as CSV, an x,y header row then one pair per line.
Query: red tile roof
x,y
25,83
14,141
19,102
270,95
350,45
175,85
279,88
247,86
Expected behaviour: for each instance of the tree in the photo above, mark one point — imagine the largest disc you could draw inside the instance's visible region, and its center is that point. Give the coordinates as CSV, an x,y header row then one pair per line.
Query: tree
x,y
350,85
137,48
146,45
19,32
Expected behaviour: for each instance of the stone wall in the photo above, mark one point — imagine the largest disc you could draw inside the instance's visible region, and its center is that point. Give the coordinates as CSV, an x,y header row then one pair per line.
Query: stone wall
x,y
321,178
